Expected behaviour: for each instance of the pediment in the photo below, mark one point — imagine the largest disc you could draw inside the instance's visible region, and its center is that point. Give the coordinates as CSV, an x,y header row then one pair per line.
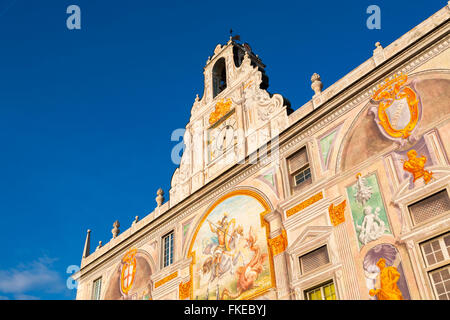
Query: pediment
x,y
409,190
308,236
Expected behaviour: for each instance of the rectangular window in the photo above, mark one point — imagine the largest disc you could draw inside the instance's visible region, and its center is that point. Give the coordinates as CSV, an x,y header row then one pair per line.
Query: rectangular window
x,y
436,250
167,241
428,208
299,170
436,253
302,176
323,292
440,279
314,259
96,289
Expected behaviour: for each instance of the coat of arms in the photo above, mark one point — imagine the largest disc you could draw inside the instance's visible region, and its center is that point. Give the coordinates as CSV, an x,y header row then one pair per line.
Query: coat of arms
x,y
397,108
128,271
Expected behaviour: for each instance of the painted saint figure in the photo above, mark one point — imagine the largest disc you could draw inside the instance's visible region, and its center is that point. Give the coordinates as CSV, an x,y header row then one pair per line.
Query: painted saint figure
x,y
389,277
222,252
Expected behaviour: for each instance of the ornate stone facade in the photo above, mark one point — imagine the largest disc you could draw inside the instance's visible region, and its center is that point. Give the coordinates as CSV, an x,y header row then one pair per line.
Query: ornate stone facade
x,y
324,202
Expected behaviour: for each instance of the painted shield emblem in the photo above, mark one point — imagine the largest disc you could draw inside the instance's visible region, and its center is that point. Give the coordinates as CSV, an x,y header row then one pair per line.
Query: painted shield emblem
x,y
397,113
128,271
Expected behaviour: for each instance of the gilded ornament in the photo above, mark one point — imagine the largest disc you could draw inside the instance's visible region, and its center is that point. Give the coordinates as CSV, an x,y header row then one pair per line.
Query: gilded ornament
x,y
415,165
221,108
279,243
398,107
185,290
337,213
128,270
389,277
304,204
166,279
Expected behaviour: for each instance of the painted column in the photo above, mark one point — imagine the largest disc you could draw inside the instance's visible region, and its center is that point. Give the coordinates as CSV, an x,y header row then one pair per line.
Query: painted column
x,y
350,289
277,245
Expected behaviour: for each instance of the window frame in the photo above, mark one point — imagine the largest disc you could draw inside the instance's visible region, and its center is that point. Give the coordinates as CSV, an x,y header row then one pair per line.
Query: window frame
x,y
291,185
431,268
94,291
302,170
171,250
413,223
299,257
321,287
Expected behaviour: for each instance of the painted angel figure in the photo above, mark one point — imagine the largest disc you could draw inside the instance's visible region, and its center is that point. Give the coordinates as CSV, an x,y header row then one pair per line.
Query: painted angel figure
x,y
372,226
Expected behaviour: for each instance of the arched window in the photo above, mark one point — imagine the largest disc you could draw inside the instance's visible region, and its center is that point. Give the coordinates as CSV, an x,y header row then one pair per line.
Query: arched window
x,y
219,77
238,56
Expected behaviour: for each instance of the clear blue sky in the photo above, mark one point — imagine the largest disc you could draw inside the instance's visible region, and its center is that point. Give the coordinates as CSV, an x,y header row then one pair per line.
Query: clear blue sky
x,y
86,115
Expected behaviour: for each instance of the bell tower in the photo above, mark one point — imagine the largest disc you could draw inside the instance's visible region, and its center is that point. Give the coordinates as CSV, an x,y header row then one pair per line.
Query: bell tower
x,y
235,116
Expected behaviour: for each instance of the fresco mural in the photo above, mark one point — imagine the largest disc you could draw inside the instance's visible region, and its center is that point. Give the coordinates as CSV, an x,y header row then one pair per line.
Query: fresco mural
x,y
397,108
131,279
326,145
402,159
368,211
383,270
230,253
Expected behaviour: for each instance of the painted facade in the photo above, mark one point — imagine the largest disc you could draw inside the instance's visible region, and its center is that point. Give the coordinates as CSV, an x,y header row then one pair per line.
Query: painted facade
x,y
345,198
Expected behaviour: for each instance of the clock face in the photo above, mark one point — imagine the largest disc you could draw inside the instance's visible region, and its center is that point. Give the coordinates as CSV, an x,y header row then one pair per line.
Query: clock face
x,y
221,137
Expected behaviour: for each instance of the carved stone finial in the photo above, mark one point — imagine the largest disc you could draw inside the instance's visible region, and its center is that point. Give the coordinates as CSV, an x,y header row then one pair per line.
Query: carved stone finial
x,y
99,245
115,231
378,54
197,98
316,84
136,219
217,49
160,197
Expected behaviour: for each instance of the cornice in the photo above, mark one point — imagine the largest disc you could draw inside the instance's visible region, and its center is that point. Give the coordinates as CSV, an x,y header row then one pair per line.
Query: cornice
x,y
429,46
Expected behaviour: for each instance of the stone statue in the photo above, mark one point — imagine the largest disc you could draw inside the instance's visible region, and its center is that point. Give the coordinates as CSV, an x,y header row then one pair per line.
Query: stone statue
x,y
363,191
372,226
389,277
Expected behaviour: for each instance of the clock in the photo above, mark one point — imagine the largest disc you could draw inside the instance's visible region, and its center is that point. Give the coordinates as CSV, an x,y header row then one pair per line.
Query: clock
x,y
221,137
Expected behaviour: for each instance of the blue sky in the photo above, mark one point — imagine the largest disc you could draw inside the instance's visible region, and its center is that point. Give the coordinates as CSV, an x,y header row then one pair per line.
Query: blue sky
x,y
86,115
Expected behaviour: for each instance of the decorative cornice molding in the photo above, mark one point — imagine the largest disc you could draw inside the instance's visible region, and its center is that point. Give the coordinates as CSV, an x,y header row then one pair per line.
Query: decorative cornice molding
x,y
304,204
166,279
329,112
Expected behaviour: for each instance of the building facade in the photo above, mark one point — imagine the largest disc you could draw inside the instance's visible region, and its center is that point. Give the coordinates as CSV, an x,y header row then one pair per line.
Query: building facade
x,y
345,198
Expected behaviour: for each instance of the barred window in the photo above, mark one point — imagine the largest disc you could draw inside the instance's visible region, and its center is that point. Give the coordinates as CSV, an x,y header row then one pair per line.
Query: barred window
x,y
96,289
325,291
167,241
430,207
433,252
314,259
441,282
